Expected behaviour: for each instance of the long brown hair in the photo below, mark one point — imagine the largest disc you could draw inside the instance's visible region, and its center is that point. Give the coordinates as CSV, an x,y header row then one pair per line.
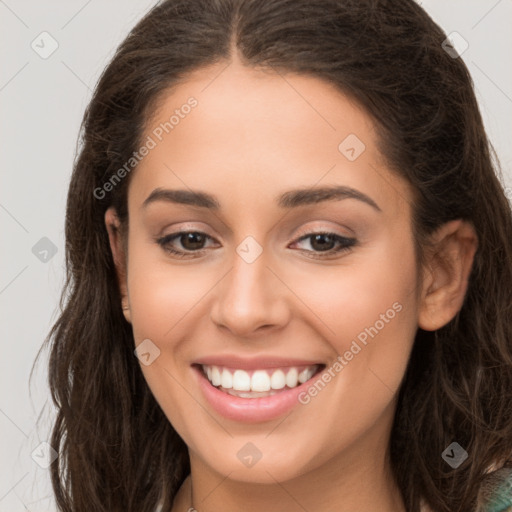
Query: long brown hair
x,y
118,451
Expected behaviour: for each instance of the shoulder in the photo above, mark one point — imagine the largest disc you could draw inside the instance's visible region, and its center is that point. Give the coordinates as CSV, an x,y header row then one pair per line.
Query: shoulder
x,y
495,493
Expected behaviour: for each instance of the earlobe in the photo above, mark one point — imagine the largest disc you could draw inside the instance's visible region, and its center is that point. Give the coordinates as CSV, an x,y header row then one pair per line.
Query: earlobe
x,y
126,309
112,224
449,262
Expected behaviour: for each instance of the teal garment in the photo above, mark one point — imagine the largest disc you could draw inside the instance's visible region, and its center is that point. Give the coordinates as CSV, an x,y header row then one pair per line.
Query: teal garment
x,y
496,491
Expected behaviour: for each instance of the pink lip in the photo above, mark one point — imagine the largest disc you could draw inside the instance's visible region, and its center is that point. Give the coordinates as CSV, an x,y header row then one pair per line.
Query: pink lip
x,y
249,410
254,363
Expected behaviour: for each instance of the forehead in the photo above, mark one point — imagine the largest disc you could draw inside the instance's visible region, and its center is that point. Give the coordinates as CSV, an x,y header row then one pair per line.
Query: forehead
x,y
254,100
253,130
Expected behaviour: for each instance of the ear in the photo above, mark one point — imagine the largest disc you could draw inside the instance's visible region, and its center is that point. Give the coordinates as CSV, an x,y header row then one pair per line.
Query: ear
x,y
112,224
445,279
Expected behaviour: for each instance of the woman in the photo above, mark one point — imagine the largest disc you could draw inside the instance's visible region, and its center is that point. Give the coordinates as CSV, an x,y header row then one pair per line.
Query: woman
x,y
289,270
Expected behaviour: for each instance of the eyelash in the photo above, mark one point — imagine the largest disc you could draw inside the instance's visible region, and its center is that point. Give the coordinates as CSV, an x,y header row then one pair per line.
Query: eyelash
x,y
347,244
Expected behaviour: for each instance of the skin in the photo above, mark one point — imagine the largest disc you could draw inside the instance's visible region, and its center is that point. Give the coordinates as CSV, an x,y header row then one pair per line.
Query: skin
x,y
254,135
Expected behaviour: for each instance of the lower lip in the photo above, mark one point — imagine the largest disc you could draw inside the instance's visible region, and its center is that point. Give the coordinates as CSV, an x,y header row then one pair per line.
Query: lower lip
x,y
250,410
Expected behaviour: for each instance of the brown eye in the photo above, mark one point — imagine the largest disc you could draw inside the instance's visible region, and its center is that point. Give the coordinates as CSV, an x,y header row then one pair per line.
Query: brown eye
x,y
323,242
192,243
328,243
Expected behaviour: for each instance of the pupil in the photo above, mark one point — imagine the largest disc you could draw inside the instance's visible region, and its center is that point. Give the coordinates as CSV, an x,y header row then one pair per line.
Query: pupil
x,y
322,246
189,237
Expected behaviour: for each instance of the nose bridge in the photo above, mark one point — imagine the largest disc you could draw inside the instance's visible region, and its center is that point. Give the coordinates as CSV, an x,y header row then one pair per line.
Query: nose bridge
x,y
250,296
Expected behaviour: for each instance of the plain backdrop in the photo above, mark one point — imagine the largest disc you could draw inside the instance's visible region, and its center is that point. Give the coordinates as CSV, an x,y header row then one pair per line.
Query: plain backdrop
x,y
42,103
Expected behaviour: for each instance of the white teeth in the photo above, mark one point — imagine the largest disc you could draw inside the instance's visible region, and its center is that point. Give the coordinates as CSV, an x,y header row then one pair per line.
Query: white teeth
x,y
305,375
292,377
241,381
226,379
278,380
216,376
261,381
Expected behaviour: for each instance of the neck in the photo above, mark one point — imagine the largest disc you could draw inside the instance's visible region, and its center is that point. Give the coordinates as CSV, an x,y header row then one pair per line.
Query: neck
x,y
348,482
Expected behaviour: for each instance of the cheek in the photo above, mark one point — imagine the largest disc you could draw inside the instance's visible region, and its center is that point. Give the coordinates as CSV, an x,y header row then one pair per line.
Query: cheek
x,y
162,299
367,312
376,287
380,321
162,293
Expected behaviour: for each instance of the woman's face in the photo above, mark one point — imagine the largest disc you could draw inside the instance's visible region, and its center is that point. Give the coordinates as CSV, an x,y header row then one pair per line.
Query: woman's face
x,y
256,291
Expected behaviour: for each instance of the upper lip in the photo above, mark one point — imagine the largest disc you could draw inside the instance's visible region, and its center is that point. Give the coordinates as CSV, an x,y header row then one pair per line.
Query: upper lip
x,y
253,363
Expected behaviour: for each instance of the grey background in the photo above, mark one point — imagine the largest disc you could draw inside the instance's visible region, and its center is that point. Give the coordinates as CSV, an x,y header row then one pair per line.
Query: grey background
x,y
42,102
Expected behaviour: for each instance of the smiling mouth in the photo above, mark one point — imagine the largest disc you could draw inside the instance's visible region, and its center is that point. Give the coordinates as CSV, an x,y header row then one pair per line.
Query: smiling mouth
x,y
258,383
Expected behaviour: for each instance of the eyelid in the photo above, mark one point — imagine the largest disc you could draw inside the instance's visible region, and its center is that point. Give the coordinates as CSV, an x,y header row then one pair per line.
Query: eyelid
x,y
322,230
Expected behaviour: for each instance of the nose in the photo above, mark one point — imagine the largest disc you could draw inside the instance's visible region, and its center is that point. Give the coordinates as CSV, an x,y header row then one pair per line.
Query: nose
x,y
251,299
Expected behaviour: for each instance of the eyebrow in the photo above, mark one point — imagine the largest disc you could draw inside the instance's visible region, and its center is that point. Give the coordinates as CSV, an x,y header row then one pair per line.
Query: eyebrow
x,y
290,199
